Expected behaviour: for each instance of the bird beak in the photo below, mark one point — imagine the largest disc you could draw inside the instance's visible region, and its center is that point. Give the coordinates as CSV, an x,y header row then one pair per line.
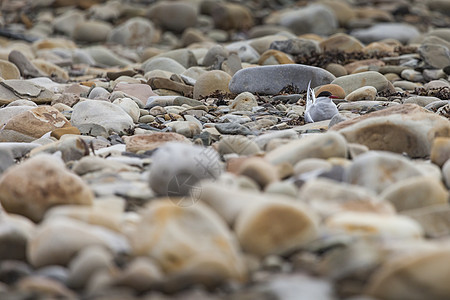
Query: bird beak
x,y
334,97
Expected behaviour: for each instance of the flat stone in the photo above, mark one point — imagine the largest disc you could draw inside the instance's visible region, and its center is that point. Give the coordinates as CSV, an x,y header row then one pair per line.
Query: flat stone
x,y
163,63
319,146
233,128
436,56
26,68
237,144
91,31
296,46
134,32
101,113
206,253
398,31
257,235
399,127
146,142
369,170
272,79
105,57
354,81
32,124
8,70
434,219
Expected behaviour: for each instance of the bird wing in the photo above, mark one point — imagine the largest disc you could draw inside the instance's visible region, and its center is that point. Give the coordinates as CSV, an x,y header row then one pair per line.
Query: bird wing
x,y
310,100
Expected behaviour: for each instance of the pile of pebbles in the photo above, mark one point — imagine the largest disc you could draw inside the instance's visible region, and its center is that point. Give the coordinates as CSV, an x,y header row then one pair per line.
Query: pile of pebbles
x,y
159,150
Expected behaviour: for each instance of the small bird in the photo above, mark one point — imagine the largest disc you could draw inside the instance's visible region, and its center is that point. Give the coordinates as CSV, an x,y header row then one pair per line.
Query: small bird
x,y
322,108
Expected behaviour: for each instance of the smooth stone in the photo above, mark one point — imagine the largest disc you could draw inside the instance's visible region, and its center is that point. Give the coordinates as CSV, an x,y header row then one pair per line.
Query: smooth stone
x,y
258,169
141,274
354,81
434,219
137,90
245,52
362,65
406,85
18,150
311,166
210,82
446,173
66,22
101,113
15,232
91,164
263,139
274,57
86,263
415,192
206,253
257,235
130,107
238,144
71,148
105,57
273,79
178,166
164,64
26,68
314,18
405,128
100,93
6,159
215,55
58,240
436,84
424,268
51,70
336,69
8,70
369,170
328,197
440,151
145,142
47,287
244,102
185,57
436,56
341,42
22,194
296,46
232,16
91,31
233,128
188,101
8,112
317,146
412,75
173,16
398,31
284,188
362,93
134,32
186,128
32,124
334,89
421,100
360,106
386,226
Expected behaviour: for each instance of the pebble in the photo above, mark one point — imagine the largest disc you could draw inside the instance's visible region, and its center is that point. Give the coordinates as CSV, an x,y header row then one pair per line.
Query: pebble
x,y
398,126
101,91
369,170
90,113
176,167
272,79
325,145
363,93
415,192
210,82
168,224
355,81
23,195
256,221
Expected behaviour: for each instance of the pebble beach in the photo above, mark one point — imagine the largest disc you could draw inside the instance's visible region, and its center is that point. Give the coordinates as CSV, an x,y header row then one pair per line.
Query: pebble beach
x,y
169,149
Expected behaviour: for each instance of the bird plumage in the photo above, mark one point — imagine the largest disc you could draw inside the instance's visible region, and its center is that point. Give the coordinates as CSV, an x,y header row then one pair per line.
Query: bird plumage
x,y
322,108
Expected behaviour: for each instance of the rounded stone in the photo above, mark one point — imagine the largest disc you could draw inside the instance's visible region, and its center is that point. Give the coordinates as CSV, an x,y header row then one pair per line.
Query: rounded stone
x,y
244,101
8,70
177,167
334,89
130,107
134,32
91,31
258,169
175,16
211,82
341,42
237,144
295,226
22,193
440,151
363,93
